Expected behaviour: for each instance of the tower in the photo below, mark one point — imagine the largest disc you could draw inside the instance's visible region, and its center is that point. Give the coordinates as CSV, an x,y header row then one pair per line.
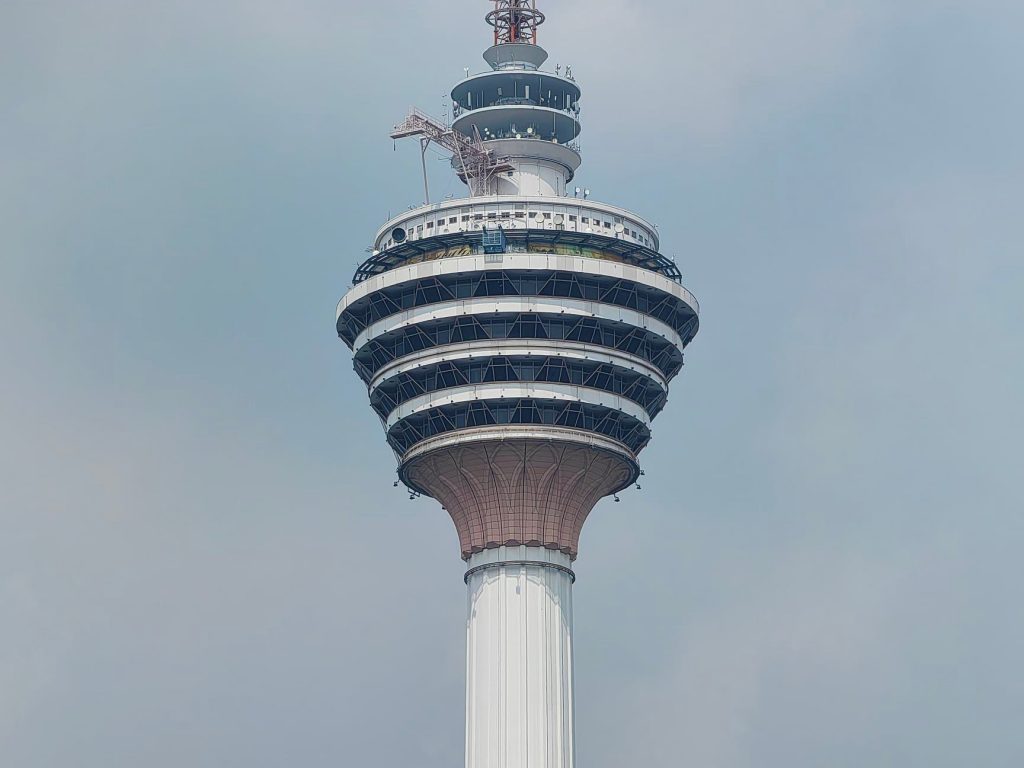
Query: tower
x,y
517,345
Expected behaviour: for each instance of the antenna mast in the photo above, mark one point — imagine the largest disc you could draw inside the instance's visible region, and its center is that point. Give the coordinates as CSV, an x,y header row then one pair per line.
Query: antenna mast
x,y
515,21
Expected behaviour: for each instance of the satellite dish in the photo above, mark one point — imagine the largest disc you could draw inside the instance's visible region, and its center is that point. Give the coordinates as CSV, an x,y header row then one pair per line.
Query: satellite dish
x,y
398,235
619,228
559,219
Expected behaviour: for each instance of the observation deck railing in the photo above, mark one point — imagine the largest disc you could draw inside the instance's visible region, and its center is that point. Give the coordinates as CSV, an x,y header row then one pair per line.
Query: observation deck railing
x,y
512,101
517,241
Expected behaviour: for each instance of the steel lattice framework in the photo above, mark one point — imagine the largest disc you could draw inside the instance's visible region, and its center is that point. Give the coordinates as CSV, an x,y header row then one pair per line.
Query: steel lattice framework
x,y
515,21
607,377
474,164
373,355
501,282
584,417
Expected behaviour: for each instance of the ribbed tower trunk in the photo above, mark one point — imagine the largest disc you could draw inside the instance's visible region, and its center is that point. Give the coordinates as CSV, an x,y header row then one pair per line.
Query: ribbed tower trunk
x,y
519,675
519,505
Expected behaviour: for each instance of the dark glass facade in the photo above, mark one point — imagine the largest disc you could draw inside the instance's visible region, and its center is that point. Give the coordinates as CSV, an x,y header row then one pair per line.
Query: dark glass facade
x,y
649,346
633,385
492,283
480,413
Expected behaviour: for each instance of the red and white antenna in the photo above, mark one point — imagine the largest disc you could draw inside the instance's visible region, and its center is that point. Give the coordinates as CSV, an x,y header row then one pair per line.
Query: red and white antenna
x,y
515,21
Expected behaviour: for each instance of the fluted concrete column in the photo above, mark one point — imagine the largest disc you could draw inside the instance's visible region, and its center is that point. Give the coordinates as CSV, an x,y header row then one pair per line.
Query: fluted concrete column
x,y
519,675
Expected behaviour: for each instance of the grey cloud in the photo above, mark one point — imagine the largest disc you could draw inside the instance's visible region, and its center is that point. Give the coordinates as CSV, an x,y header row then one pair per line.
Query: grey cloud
x,y
203,559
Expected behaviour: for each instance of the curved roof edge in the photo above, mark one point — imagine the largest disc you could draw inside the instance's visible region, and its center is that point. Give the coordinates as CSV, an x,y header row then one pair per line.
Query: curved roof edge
x,y
631,253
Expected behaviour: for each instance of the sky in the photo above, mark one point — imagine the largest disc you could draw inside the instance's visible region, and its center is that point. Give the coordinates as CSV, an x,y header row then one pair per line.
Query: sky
x,y
203,561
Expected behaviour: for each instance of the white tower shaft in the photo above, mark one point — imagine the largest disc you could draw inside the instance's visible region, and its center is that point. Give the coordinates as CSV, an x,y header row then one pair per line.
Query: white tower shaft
x,y
519,674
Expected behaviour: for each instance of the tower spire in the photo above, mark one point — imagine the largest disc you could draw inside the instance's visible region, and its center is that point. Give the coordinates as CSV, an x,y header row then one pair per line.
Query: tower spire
x,y
515,21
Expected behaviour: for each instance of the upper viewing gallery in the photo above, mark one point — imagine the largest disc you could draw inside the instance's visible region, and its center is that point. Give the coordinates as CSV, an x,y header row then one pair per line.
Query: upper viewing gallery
x,y
513,139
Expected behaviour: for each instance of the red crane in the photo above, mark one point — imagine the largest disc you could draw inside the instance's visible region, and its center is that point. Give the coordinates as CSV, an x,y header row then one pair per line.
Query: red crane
x,y
473,163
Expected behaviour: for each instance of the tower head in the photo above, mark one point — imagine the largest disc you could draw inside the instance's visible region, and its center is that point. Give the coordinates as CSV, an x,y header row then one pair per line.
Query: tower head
x,y
517,344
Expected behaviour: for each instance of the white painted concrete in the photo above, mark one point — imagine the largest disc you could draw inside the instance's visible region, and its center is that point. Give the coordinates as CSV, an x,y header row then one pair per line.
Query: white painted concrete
x,y
547,208
499,432
519,673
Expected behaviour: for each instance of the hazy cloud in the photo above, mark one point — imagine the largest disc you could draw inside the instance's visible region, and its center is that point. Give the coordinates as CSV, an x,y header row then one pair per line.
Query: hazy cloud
x,y
203,558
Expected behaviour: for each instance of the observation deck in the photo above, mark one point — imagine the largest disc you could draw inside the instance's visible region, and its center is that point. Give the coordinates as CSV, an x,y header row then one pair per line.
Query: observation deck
x,y
518,103
524,114
518,119
516,344
478,335
530,224
534,87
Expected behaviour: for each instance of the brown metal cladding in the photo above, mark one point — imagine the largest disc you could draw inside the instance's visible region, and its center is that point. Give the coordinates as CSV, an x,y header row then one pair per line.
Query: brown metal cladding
x,y
519,491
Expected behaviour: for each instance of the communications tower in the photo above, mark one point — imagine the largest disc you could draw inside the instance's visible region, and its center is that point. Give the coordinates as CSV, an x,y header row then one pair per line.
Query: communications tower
x,y
517,344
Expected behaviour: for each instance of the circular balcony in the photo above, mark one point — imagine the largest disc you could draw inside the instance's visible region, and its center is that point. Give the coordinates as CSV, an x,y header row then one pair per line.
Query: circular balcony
x,y
542,89
555,219
519,121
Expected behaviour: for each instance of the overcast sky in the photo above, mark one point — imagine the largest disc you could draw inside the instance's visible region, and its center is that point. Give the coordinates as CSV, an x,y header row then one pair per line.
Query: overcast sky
x,y
203,561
